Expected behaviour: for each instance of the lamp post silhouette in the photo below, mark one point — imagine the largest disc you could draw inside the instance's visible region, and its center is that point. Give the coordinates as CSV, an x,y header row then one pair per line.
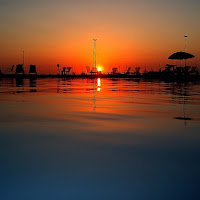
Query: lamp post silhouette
x,y
23,58
185,36
94,55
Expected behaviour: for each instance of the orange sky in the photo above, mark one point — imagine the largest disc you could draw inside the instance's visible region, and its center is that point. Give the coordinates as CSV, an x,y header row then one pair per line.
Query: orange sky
x,y
129,33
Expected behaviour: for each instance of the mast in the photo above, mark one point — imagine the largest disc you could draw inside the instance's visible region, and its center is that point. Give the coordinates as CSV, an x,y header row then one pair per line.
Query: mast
x,y
94,55
185,36
23,58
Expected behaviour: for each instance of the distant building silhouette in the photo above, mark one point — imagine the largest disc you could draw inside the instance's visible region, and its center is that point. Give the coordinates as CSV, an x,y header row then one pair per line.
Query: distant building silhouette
x,y
19,69
32,70
128,70
114,70
137,71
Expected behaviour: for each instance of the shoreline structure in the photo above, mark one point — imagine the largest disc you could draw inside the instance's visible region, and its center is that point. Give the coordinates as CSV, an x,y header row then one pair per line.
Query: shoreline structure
x,y
170,73
149,75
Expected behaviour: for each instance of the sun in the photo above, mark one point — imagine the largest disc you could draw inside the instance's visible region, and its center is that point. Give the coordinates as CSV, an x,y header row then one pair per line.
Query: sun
x,y
99,69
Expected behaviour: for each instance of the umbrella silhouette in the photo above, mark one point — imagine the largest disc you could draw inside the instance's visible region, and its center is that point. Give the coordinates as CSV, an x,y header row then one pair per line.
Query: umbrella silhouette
x,y
181,56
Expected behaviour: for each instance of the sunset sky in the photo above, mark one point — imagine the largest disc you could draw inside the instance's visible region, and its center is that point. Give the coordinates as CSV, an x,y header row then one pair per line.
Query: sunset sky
x,y
129,32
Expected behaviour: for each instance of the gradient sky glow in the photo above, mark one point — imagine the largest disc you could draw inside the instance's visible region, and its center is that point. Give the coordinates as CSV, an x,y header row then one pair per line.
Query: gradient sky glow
x,y
129,32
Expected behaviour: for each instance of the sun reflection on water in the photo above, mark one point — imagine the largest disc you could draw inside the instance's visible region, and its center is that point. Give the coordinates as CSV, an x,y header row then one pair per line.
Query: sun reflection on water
x,y
98,84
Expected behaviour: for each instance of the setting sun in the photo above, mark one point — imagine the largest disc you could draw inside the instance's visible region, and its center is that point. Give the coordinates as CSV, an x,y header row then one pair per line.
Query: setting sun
x,y
99,69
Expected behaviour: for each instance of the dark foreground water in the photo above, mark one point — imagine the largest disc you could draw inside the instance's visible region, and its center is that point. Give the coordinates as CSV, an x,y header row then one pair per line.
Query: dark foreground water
x,y
99,139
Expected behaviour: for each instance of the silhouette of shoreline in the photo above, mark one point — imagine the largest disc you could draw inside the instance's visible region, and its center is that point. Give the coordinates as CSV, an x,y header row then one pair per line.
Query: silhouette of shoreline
x,y
150,75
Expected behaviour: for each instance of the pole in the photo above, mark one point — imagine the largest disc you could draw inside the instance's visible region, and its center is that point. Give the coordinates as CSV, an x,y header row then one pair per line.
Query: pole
x,y
185,42
23,58
93,69
185,46
94,59
58,68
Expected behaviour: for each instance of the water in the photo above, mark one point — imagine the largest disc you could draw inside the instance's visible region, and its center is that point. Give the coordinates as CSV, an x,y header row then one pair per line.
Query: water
x,y
99,139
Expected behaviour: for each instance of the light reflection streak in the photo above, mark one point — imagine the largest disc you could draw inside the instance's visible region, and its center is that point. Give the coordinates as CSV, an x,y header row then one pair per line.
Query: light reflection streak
x,y
98,84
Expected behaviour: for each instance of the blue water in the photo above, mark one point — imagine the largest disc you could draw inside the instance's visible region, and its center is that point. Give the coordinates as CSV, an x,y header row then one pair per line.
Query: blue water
x,y
99,139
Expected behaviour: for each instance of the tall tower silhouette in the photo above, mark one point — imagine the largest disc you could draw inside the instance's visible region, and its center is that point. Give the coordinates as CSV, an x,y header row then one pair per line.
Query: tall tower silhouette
x,y
185,36
94,56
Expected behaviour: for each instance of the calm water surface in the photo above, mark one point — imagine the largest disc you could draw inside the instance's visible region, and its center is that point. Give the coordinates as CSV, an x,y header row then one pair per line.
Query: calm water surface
x,y
98,139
